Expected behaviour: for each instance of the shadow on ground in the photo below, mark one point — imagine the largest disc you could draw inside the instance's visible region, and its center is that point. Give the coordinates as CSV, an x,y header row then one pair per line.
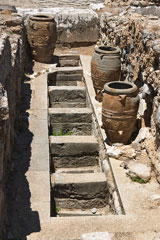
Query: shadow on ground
x,y
22,221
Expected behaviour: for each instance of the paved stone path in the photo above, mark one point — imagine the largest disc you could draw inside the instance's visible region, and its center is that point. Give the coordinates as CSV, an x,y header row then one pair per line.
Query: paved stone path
x,y
29,182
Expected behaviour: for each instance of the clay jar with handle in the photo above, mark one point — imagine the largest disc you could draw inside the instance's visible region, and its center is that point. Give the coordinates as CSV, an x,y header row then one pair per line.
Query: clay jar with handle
x,y
41,33
105,67
119,110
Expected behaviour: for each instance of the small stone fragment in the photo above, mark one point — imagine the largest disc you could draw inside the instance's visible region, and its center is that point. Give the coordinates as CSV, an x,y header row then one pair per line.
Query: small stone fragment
x,y
96,236
143,134
94,210
139,171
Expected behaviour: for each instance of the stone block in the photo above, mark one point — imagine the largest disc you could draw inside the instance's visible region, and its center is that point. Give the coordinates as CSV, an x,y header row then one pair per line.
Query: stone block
x,y
96,236
74,151
77,121
71,128
68,115
39,185
68,60
82,190
65,76
67,96
73,145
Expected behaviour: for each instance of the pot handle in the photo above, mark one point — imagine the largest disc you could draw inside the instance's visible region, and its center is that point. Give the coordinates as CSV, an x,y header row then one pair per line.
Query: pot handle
x,y
101,56
122,99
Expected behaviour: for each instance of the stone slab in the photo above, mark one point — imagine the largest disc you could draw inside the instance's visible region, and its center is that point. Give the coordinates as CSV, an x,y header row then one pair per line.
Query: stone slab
x,y
92,169
43,211
39,131
67,94
67,115
96,236
73,145
73,203
76,213
40,83
71,128
68,104
68,60
39,101
134,227
87,190
39,185
39,157
75,161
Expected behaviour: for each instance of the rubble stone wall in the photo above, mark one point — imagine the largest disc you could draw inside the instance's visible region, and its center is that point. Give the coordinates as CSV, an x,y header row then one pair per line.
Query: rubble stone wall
x,y
138,38
141,3
12,57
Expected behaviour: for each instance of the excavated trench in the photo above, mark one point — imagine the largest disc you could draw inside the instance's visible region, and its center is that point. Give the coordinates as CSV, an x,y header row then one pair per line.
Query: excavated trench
x,y
78,185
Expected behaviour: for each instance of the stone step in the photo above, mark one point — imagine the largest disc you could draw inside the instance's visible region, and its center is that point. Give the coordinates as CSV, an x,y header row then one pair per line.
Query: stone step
x,y
79,170
74,121
81,191
68,60
65,76
74,151
81,213
67,96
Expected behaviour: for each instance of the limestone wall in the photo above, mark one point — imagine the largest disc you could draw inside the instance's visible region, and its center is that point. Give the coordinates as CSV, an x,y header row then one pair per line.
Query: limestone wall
x,y
74,28
138,38
12,56
53,3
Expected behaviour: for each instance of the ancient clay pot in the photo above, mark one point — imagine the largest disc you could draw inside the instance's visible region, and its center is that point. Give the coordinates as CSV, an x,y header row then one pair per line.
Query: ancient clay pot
x,y
41,32
119,111
105,67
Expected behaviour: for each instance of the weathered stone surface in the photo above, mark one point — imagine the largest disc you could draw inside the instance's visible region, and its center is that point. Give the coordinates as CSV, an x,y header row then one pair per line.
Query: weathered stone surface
x,y
74,151
139,170
76,115
144,133
121,152
65,77
67,96
96,236
73,27
68,60
69,188
76,121
73,145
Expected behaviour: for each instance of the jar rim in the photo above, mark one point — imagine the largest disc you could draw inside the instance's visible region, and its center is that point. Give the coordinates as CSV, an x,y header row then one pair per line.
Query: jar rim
x,y
120,87
42,17
105,49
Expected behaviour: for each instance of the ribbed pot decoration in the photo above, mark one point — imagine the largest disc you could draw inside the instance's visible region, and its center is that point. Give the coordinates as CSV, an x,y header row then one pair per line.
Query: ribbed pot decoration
x,y
119,110
105,67
41,32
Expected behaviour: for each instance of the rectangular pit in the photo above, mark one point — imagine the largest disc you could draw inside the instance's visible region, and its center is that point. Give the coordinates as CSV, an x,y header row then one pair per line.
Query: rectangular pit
x,y
68,60
76,121
74,151
67,97
66,76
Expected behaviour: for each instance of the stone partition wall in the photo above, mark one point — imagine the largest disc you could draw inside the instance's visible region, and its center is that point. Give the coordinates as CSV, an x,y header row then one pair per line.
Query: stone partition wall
x,y
141,3
78,27
138,38
53,3
12,57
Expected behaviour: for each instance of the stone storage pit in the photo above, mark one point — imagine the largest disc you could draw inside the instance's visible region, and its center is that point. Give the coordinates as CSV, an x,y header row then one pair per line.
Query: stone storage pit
x,y
79,187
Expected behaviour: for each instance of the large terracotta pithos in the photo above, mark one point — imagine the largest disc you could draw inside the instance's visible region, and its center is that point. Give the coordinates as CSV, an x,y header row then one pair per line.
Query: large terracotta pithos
x,y
119,111
41,32
105,67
